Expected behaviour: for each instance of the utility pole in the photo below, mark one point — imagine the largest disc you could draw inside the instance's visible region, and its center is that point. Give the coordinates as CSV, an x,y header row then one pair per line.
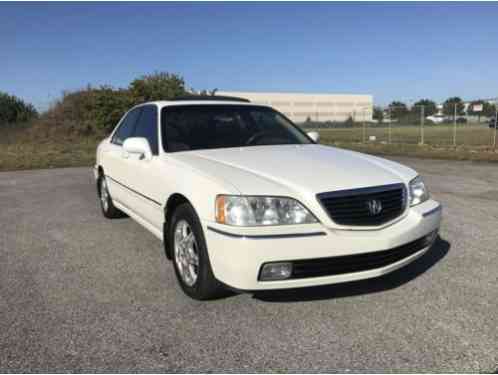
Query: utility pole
x,y
422,125
454,124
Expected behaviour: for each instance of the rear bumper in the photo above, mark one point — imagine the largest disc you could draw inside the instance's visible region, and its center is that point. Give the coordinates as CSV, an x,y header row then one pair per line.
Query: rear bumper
x,y
237,254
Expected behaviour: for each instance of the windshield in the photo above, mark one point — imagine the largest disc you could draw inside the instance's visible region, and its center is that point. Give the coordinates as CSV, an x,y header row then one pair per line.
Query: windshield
x,y
197,127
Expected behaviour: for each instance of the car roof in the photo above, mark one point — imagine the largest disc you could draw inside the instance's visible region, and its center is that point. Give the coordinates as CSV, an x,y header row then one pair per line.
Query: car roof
x,y
202,100
210,97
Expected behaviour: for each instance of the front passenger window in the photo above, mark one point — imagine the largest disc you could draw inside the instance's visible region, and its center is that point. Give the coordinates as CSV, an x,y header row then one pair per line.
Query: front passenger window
x,y
126,128
147,127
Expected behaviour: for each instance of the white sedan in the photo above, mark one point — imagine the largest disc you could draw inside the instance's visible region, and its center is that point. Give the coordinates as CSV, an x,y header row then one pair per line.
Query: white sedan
x,y
243,199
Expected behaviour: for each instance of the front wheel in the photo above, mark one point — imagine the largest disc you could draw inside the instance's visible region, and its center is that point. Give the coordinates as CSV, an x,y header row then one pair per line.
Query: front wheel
x,y
106,204
190,257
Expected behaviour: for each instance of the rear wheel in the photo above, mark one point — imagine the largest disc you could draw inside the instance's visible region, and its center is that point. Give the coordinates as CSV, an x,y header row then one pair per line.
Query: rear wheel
x,y
108,208
190,257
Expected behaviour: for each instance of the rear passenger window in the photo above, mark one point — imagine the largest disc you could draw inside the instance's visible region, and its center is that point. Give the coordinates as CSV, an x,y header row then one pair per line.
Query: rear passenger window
x,y
126,128
147,127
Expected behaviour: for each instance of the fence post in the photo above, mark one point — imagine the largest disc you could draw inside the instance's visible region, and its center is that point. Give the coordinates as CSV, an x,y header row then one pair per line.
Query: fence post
x,y
496,126
364,130
389,126
422,125
454,125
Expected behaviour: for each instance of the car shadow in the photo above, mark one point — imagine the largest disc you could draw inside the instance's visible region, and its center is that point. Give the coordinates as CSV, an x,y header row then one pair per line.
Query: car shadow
x,y
386,282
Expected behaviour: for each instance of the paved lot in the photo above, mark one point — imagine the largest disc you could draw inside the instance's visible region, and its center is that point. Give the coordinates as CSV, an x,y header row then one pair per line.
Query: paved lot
x,y
82,293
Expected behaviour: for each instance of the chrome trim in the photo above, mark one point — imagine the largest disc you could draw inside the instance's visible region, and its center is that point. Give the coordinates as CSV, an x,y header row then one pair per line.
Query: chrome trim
x,y
434,210
133,191
366,190
266,236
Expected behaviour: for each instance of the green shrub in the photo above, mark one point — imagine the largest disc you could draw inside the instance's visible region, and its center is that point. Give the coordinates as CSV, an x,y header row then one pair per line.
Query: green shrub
x,y
108,106
96,110
157,86
87,111
14,110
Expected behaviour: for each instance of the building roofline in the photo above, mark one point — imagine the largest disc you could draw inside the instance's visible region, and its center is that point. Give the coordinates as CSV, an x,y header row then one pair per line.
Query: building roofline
x,y
289,93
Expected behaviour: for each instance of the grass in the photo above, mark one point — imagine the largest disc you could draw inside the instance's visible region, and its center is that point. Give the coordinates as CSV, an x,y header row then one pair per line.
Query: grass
x,y
473,141
28,148
48,154
436,135
424,152
35,147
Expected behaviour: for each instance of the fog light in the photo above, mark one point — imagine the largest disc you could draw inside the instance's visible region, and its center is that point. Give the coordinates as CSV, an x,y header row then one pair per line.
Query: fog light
x,y
275,271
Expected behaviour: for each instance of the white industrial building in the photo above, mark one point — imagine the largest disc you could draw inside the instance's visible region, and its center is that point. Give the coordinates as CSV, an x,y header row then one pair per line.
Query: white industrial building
x,y
315,107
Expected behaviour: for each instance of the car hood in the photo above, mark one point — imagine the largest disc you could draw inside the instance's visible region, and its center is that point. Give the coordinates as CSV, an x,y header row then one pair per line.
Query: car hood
x,y
290,169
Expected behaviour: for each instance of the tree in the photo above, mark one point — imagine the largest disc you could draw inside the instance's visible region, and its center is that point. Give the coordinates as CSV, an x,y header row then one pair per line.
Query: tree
x,y
349,123
398,110
15,110
450,104
208,92
429,106
157,86
109,105
488,109
378,114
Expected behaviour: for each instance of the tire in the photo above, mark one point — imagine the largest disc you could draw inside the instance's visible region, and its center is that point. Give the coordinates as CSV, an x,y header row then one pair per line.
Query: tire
x,y
190,257
108,208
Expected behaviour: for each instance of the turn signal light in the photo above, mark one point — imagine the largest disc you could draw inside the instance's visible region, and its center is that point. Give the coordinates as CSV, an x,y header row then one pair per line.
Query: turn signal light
x,y
220,209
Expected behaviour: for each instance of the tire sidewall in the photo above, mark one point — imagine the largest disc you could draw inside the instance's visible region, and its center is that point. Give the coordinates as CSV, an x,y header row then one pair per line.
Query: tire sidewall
x,y
104,211
112,212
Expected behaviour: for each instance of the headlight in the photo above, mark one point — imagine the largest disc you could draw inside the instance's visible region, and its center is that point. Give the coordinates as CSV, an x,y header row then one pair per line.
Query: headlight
x,y
255,211
418,191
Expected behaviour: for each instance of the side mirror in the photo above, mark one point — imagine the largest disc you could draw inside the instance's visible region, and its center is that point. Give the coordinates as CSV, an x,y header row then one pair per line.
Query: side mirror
x,y
138,146
314,136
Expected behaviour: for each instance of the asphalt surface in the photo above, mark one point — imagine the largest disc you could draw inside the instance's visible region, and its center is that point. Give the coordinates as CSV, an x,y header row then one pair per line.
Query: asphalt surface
x,y
82,293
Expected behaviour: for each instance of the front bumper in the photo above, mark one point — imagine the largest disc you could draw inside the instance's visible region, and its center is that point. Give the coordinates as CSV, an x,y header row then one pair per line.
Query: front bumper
x,y
237,254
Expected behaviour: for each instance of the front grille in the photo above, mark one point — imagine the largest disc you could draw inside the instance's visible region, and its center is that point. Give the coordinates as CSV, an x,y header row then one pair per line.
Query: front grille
x,y
358,262
351,207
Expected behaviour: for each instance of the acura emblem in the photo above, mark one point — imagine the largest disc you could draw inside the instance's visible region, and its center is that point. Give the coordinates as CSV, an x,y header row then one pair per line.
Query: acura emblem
x,y
374,207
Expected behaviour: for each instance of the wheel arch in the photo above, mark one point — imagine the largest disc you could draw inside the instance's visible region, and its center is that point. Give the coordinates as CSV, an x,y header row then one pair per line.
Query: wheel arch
x,y
100,171
174,200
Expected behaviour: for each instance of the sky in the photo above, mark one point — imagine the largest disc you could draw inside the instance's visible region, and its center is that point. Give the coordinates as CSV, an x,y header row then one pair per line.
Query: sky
x,y
392,51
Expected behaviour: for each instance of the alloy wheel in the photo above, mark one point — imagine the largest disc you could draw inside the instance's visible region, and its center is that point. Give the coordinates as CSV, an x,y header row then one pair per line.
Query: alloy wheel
x,y
186,253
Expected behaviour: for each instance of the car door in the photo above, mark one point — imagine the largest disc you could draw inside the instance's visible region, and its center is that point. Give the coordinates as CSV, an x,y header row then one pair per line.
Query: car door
x,y
116,166
144,180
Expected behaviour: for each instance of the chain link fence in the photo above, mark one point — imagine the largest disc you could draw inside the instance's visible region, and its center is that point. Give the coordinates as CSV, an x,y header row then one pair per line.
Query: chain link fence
x,y
418,125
